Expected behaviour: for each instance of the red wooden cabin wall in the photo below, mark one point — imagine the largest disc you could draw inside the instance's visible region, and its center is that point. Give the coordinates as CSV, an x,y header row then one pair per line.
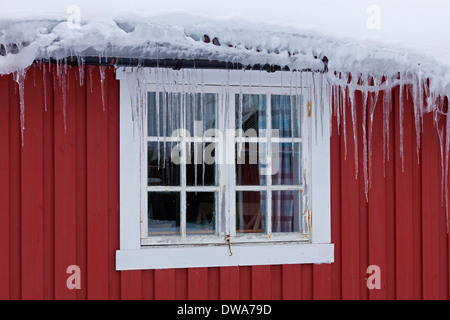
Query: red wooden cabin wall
x,y
59,206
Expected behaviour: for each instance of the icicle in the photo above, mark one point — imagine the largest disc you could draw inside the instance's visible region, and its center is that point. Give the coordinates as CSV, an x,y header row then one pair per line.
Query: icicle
x,y
157,114
344,118
401,115
315,104
321,106
365,94
166,112
102,70
355,130
385,120
44,82
291,111
202,107
241,111
447,147
19,77
440,132
337,102
64,95
372,107
417,109
90,76
81,69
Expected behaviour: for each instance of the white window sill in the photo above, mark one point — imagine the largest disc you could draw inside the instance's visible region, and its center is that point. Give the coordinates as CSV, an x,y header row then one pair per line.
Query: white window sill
x,y
219,255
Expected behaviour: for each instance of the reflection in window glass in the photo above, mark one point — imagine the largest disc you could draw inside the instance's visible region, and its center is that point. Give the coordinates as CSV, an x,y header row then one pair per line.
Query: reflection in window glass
x,y
250,209
286,164
163,213
285,115
201,212
251,112
199,171
285,205
251,164
162,171
178,111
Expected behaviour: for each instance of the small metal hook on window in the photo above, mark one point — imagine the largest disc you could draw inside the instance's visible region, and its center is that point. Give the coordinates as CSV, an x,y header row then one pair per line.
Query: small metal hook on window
x,y
227,239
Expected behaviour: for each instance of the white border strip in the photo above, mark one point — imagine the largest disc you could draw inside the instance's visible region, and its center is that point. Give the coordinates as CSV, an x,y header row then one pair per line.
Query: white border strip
x,y
215,256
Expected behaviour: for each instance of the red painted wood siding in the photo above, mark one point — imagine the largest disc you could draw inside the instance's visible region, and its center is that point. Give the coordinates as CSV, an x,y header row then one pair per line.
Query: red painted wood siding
x,y
59,206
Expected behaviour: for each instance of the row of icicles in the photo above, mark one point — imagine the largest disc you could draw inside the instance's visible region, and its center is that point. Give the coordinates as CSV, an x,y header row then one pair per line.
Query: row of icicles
x,y
329,90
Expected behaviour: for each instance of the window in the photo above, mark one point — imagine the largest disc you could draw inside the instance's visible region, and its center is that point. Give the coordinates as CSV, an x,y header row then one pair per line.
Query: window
x,y
219,168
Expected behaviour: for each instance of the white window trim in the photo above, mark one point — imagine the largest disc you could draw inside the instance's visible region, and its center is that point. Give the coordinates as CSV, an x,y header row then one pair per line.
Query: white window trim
x,y
132,255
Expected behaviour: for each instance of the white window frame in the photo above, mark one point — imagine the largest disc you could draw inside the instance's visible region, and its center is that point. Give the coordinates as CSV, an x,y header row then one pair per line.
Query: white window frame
x,y
136,253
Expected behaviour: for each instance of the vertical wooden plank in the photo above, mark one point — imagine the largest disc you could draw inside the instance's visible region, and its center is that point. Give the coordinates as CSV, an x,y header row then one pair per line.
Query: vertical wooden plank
x,y
291,282
349,211
213,283
404,203
181,284
442,217
229,283
307,282
32,194
261,288
416,227
322,282
81,183
15,162
165,284
361,113
276,282
245,283
197,283
5,188
49,181
65,181
148,284
430,210
377,199
390,186
131,288
335,199
113,105
97,188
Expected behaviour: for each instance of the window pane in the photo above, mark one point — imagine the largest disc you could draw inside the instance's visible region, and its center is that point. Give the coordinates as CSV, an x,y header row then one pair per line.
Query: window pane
x,y
251,164
201,113
251,112
250,211
169,114
286,115
201,212
286,165
164,213
286,211
194,111
201,172
162,171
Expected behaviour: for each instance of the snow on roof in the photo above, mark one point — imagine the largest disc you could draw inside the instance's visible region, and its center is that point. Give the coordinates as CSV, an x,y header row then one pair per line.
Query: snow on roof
x,y
354,35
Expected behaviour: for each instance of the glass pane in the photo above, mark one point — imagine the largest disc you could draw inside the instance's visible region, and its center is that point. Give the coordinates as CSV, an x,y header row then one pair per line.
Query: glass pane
x,y
201,212
164,213
286,164
286,211
201,113
250,211
251,166
162,171
251,112
201,172
286,115
168,112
